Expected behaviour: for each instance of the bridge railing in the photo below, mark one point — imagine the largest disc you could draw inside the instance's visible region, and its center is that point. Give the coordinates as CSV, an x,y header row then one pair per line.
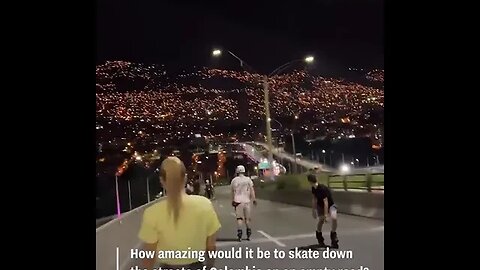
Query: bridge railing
x,y
369,182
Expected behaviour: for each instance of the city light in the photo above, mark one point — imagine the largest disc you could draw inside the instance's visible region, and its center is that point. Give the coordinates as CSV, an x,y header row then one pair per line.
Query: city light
x,y
288,97
216,52
166,112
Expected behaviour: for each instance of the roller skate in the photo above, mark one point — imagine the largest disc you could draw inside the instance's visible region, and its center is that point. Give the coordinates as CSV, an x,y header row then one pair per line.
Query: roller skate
x,y
334,238
239,235
249,232
320,239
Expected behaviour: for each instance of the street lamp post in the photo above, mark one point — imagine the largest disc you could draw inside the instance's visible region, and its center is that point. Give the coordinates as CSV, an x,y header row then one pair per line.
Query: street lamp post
x,y
278,139
293,146
294,153
268,120
308,59
118,197
129,195
278,122
148,190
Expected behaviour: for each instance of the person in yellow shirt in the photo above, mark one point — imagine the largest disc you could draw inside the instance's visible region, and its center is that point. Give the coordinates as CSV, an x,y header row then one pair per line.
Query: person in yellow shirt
x,y
180,229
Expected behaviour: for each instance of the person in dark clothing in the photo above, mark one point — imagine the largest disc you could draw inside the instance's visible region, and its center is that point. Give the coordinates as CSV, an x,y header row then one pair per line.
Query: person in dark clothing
x,y
208,189
196,186
189,188
324,208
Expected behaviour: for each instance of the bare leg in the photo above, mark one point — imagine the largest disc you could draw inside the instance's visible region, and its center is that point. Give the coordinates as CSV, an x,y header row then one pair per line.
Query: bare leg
x,y
248,220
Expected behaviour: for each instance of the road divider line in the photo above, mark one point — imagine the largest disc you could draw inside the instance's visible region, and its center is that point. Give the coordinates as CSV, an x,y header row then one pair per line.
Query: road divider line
x,y
272,238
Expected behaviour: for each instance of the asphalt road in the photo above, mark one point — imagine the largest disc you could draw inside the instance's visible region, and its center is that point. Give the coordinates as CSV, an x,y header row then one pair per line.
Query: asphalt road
x,y
286,227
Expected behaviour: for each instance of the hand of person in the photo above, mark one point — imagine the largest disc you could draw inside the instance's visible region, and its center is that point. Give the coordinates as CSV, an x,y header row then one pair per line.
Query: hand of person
x,y
325,218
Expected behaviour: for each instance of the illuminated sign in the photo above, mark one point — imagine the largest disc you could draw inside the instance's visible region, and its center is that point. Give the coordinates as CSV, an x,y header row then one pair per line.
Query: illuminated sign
x,y
263,165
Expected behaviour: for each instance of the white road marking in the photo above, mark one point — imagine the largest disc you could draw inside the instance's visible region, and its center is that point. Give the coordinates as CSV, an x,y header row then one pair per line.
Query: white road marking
x,y
272,239
221,205
118,261
233,214
295,237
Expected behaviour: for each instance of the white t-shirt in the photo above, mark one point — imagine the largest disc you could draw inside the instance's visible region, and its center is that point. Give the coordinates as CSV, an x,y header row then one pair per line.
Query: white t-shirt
x,y
241,186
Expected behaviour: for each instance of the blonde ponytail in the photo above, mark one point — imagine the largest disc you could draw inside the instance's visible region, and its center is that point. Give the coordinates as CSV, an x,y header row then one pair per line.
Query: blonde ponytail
x,y
173,174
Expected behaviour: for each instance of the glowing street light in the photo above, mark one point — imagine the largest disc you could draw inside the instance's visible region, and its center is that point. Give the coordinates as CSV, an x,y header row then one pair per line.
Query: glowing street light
x,y
345,168
309,59
216,52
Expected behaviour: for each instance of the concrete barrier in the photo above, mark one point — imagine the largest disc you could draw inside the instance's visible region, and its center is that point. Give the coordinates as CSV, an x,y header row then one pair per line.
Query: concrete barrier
x,y
365,204
122,234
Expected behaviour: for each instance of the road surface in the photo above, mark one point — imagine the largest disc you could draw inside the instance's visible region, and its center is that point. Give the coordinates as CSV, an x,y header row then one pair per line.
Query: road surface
x,y
286,227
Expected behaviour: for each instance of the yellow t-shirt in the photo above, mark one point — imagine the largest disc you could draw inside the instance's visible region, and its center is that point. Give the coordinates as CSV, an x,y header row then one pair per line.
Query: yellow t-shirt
x,y
197,220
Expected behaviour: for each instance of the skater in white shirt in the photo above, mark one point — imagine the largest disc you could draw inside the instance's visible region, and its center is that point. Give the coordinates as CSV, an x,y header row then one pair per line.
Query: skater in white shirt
x,y
243,195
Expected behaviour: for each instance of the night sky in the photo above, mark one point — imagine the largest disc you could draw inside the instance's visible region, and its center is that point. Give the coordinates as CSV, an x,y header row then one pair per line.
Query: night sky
x,y
266,34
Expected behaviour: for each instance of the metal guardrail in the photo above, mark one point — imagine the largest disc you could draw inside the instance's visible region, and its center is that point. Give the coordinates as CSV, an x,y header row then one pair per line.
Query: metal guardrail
x,y
365,183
